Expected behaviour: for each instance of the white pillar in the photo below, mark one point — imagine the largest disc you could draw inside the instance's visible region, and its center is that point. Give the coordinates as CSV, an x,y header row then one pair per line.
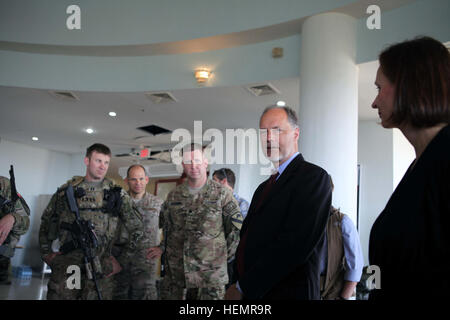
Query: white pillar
x,y
328,112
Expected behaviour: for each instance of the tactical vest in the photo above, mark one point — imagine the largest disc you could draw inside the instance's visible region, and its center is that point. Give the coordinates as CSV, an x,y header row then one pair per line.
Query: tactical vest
x,y
98,204
333,281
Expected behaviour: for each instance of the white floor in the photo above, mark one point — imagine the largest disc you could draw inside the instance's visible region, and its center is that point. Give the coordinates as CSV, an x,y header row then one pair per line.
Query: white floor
x,y
32,289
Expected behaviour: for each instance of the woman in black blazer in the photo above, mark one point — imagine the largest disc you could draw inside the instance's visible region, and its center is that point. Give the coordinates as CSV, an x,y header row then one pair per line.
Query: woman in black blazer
x,y
410,240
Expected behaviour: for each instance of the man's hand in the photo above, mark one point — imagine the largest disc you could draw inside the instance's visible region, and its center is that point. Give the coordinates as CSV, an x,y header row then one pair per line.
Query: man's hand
x,y
233,293
154,253
348,289
6,224
116,267
48,258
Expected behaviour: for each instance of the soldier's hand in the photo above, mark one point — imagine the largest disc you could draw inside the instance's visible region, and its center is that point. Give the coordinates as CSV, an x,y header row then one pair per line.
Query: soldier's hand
x,y
116,267
48,258
154,253
6,224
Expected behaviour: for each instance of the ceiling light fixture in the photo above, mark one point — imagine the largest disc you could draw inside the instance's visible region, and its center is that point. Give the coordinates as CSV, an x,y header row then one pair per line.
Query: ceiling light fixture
x,y
112,114
90,131
281,103
202,75
35,138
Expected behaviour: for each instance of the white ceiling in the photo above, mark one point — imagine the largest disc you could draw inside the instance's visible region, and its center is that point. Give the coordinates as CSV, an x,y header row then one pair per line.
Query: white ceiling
x,y
60,125
355,9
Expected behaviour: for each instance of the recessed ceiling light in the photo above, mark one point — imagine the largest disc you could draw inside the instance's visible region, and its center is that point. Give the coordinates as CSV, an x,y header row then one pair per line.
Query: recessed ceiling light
x,y
90,131
35,138
112,114
281,103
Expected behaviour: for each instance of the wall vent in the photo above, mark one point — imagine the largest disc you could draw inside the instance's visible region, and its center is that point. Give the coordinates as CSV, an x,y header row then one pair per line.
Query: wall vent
x,y
154,130
64,95
262,89
160,97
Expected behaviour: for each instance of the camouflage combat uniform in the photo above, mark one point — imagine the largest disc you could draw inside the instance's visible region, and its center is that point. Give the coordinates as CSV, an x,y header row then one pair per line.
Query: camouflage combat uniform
x,y
137,280
202,234
104,215
21,224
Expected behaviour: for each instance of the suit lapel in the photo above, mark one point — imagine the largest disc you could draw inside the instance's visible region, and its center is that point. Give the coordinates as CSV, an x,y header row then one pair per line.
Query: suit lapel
x,y
282,180
287,175
251,209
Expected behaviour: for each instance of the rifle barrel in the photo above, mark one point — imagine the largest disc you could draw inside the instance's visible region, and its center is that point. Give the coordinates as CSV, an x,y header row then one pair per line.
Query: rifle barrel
x,y
12,181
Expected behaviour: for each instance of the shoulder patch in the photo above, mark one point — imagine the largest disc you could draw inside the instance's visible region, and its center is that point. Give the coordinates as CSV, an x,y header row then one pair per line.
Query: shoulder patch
x,y
236,217
237,220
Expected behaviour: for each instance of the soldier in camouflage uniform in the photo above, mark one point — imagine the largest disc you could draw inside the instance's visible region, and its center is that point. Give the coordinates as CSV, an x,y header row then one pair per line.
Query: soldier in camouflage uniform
x,y
14,222
102,203
201,222
137,280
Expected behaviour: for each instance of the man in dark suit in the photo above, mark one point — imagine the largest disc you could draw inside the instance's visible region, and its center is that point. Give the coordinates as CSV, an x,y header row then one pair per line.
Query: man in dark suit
x,y
281,238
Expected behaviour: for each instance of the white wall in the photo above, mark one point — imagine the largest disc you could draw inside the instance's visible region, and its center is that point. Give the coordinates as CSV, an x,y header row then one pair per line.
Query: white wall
x,y
375,148
404,154
384,156
38,172
250,178
77,166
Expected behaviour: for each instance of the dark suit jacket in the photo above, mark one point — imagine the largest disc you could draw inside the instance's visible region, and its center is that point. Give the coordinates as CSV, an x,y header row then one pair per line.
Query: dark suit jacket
x,y
285,235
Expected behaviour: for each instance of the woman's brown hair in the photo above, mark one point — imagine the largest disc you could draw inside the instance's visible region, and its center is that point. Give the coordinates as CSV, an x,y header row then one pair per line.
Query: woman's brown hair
x,y
420,72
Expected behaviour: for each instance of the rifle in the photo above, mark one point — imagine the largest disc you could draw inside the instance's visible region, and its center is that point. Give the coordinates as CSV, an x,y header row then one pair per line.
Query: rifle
x,y
5,202
12,181
84,238
10,204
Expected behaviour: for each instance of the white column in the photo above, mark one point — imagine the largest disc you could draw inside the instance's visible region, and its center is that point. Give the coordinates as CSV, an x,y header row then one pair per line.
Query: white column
x,y
328,112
